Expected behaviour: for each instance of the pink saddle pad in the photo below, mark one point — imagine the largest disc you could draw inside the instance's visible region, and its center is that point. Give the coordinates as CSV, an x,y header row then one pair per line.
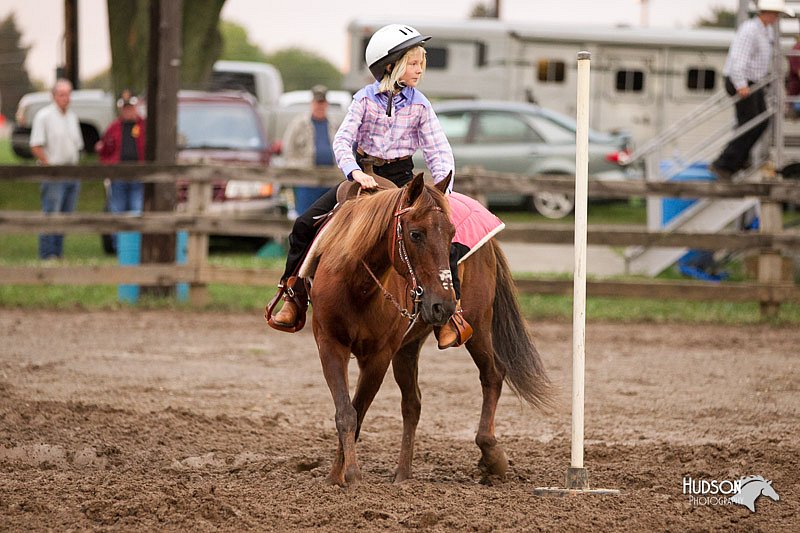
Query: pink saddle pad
x,y
475,225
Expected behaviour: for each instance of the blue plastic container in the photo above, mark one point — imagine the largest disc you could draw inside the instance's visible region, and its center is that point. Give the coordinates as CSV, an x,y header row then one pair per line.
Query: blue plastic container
x,y
129,252
181,254
672,207
695,263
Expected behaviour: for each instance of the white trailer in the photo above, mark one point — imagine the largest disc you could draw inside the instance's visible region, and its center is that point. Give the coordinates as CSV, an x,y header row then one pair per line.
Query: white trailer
x,y
642,78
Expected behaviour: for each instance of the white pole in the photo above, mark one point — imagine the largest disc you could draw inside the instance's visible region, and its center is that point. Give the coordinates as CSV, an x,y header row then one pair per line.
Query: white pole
x,y
577,475
579,279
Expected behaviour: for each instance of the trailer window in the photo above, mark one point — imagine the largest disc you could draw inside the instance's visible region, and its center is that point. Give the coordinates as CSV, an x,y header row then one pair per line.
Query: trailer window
x,y
630,81
551,71
437,57
701,79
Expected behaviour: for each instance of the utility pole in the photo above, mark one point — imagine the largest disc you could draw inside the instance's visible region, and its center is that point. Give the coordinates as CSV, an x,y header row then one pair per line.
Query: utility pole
x,y
71,70
644,15
163,81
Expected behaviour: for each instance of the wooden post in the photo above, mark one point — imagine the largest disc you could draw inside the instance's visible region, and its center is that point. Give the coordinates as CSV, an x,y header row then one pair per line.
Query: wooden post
x,y
163,82
199,198
770,262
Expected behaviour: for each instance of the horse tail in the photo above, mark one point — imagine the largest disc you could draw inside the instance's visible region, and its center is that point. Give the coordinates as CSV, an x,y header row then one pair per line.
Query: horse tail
x,y
512,343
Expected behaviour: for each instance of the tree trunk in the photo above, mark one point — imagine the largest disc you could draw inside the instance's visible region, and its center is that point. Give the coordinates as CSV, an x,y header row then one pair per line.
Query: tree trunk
x,y
129,32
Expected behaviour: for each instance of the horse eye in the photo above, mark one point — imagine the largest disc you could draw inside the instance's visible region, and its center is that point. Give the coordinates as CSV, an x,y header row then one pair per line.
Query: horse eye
x,y
416,235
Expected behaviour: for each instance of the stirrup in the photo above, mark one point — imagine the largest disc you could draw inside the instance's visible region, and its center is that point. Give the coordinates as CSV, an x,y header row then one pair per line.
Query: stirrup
x,y
462,328
287,293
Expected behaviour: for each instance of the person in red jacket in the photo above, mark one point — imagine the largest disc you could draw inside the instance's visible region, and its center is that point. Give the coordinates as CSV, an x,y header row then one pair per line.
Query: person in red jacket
x,y
123,141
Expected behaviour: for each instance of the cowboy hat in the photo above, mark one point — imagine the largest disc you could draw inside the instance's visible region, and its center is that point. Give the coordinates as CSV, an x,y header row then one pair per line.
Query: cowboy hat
x,y
775,6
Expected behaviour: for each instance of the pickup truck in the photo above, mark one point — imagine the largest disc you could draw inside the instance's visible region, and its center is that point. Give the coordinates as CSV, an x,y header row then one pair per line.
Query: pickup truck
x,y
261,80
95,110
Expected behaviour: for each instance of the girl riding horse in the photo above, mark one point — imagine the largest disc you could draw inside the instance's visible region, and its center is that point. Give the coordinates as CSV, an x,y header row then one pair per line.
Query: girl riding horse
x,y
386,123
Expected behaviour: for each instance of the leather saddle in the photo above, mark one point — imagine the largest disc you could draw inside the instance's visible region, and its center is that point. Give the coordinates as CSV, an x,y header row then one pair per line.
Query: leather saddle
x,y
346,190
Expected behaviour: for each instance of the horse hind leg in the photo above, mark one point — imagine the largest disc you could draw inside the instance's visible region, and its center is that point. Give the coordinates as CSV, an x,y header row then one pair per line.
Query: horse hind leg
x,y
493,462
405,368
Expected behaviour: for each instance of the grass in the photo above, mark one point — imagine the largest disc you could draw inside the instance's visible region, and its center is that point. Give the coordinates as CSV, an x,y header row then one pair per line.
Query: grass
x,y
86,249
20,250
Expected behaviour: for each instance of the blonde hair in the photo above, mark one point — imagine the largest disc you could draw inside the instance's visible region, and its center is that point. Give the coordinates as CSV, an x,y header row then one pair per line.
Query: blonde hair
x,y
390,79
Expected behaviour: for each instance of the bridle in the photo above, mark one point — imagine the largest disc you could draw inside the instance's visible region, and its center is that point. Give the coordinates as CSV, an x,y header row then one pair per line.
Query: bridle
x,y
398,244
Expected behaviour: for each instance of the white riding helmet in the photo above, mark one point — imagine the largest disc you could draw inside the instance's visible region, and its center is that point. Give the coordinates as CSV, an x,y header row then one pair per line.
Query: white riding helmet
x,y
388,45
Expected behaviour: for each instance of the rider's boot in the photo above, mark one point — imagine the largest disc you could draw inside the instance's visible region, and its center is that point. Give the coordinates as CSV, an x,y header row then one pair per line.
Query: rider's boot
x,y
295,303
456,331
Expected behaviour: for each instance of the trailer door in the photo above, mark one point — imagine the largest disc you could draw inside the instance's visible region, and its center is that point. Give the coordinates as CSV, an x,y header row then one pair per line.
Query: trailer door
x,y
629,89
550,78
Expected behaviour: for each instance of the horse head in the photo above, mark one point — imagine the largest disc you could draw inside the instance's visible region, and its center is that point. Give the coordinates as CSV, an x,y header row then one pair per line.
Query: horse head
x,y
751,488
768,491
420,248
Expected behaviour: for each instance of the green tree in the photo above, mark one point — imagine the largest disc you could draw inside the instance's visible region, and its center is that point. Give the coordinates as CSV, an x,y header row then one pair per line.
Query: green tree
x,y
129,30
236,45
302,69
720,17
483,10
14,79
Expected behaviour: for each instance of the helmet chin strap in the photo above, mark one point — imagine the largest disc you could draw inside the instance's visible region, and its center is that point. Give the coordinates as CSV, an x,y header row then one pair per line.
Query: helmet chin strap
x,y
398,86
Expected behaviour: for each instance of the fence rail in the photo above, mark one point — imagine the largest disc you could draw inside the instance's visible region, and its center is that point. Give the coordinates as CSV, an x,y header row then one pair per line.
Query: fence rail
x,y
770,290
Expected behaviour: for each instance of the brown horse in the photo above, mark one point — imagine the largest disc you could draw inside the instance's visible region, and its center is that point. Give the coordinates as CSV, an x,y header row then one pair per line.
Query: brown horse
x,y
381,285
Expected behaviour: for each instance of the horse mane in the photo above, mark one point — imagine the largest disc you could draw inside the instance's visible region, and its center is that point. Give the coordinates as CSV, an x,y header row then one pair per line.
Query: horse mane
x,y
745,480
361,223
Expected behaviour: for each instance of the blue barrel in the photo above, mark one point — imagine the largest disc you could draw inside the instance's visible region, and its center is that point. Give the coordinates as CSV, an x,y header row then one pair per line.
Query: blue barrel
x,y
672,207
129,252
181,255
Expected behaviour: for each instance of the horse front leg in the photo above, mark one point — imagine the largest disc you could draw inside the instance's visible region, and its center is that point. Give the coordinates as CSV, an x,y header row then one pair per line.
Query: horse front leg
x,y
405,368
493,460
334,359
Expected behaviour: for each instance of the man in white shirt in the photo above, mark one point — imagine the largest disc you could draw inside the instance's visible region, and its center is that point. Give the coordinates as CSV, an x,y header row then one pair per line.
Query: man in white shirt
x,y
748,62
56,140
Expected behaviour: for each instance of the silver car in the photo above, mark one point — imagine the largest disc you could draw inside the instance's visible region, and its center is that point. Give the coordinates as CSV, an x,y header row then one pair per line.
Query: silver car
x,y
526,139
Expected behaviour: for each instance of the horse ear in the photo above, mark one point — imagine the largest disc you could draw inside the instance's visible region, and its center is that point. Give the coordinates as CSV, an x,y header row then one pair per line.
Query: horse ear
x,y
415,188
445,183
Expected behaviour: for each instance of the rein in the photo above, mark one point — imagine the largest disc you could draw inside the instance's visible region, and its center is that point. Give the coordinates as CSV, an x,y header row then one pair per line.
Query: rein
x,y
398,243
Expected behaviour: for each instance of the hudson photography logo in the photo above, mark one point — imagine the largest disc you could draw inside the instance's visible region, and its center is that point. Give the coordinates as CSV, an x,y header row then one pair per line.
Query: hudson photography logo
x,y
743,491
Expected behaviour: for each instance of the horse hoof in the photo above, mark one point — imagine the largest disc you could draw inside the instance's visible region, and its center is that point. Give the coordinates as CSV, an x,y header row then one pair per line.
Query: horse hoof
x,y
400,476
336,480
494,464
352,475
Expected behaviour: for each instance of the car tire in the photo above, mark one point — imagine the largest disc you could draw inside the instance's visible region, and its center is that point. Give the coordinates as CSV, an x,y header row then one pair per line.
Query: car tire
x,y
553,205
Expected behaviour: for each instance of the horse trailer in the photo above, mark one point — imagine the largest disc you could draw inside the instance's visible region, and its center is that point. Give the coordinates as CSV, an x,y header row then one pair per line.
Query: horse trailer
x,y
641,78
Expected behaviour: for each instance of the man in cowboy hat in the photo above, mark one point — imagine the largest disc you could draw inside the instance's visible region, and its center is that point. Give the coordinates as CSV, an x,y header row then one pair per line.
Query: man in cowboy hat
x,y
748,62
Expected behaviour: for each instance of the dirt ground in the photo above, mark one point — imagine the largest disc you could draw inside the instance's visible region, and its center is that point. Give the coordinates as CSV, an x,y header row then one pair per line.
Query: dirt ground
x,y
174,421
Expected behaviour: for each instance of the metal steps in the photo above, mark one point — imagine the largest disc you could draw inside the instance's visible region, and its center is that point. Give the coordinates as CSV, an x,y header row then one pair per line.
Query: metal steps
x,y
703,216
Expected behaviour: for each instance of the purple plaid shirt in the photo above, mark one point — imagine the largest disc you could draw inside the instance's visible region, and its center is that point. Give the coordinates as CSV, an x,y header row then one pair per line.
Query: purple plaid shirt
x,y
413,125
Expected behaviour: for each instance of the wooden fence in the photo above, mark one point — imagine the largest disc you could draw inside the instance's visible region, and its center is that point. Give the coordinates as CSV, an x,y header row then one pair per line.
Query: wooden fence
x,y
771,289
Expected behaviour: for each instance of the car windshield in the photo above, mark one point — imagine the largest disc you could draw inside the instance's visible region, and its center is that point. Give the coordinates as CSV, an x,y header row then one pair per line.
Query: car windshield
x,y
229,127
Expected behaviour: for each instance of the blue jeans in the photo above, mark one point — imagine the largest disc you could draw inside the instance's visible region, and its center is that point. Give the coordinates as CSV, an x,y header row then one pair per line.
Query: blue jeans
x,y
126,196
57,197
